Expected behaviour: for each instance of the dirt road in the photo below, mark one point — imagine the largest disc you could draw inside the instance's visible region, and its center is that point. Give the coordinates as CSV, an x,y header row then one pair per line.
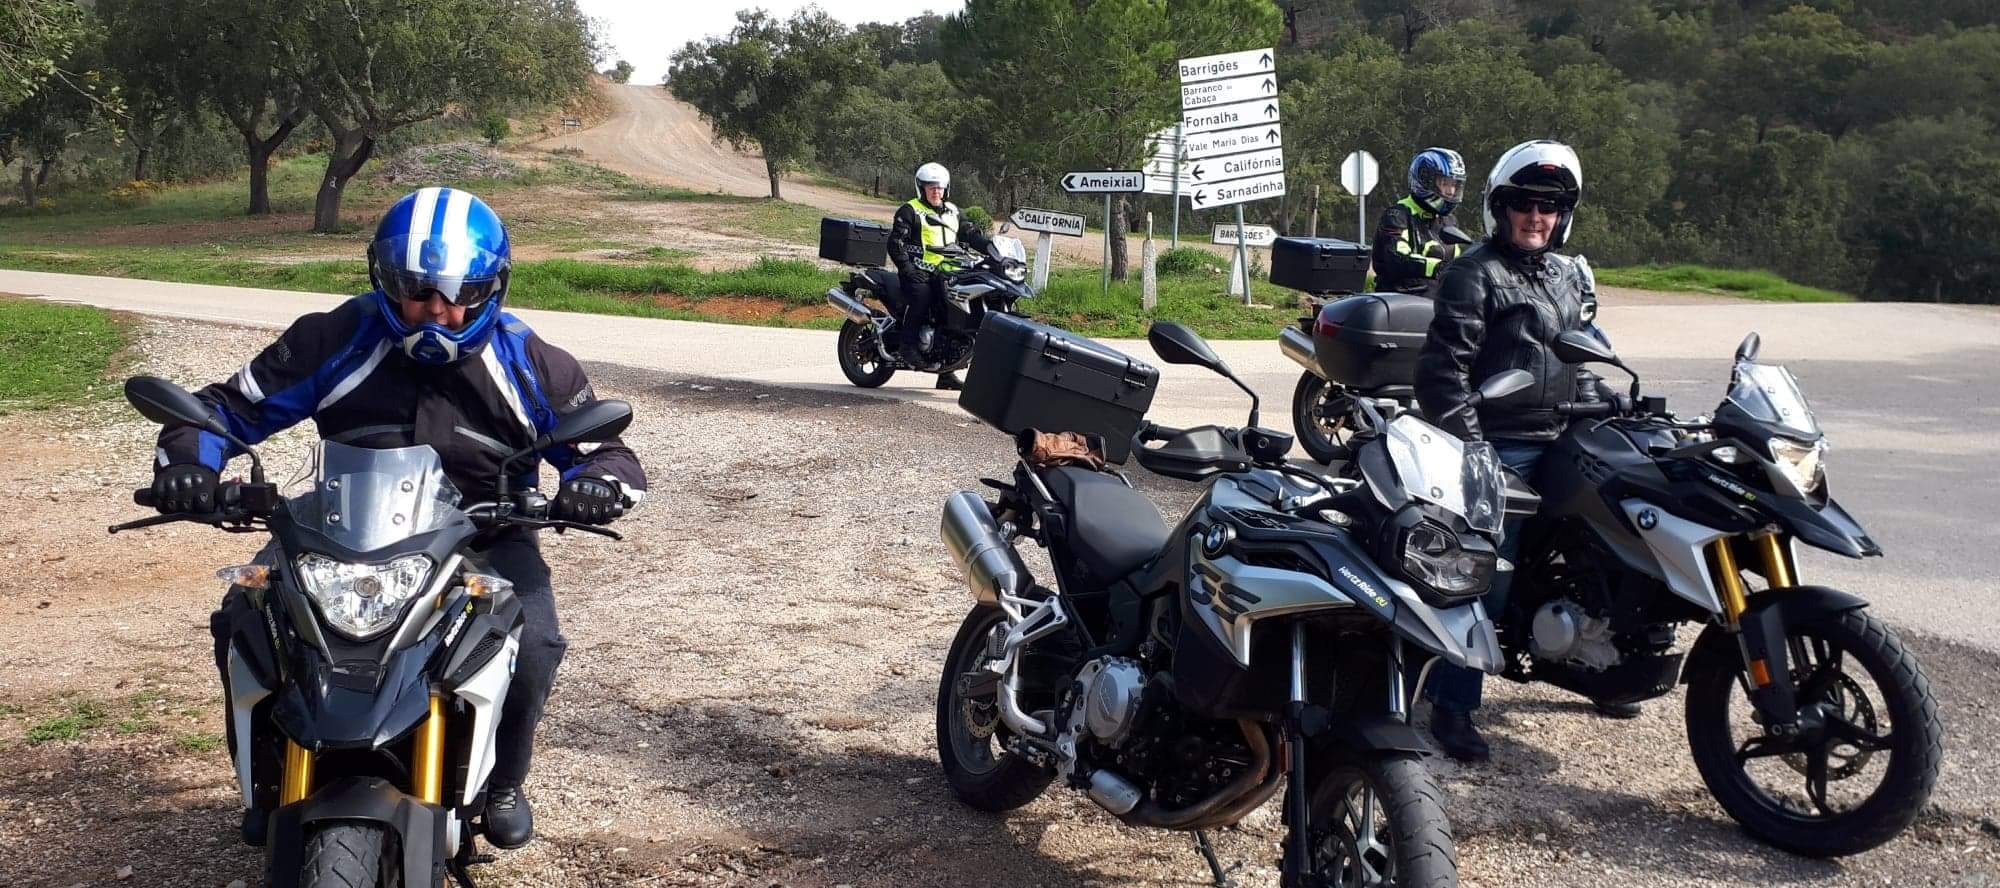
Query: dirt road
x,y
747,699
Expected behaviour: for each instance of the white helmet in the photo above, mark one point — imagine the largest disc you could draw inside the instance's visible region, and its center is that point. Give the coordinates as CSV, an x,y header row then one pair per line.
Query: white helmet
x,y
933,174
1541,168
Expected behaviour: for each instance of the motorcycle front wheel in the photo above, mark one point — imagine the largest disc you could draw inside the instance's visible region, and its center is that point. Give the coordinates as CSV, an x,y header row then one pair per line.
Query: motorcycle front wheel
x,y
860,358
348,854
1865,758
1321,415
971,738
1380,823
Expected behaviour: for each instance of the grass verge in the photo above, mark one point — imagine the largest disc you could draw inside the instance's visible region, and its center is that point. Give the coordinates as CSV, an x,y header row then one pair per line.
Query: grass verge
x,y
53,355
1744,283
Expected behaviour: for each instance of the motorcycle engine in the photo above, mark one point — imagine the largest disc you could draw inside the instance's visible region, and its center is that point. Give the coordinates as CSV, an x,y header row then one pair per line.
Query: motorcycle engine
x,y
1563,632
1126,722
1110,703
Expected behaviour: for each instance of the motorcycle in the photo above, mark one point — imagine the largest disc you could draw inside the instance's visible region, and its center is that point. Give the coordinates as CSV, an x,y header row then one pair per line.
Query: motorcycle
x,y
869,346
1808,719
364,695
1179,676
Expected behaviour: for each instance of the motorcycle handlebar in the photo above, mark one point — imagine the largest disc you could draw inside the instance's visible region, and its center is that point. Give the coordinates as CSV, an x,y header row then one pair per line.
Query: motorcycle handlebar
x,y
1155,432
1586,409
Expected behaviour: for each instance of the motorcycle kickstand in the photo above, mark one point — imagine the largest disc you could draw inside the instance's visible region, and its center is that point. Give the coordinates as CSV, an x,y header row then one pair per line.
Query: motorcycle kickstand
x,y
460,864
1215,869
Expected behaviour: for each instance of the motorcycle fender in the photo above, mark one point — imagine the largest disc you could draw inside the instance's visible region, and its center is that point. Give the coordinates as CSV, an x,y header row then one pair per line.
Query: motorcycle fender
x,y
1375,734
1762,637
420,829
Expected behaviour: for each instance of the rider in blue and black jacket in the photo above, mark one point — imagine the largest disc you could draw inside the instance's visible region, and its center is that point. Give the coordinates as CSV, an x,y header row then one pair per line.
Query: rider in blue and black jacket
x,y
429,357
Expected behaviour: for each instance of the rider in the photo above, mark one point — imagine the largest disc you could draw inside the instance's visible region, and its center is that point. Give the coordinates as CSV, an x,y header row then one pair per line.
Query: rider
x,y
1500,307
1409,244
428,357
927,222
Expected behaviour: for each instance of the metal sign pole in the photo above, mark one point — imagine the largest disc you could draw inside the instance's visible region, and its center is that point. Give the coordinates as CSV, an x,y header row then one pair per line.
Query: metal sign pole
x,y
1043,245
1179,140
1243,255
1361,221
1107,242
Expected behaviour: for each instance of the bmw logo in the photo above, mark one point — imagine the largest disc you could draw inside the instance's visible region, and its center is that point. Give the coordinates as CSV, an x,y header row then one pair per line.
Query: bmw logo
x,y
1648,519
1216,540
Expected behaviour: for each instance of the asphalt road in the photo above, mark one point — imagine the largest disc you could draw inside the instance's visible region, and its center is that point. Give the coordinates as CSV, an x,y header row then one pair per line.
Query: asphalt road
x,y
1906,392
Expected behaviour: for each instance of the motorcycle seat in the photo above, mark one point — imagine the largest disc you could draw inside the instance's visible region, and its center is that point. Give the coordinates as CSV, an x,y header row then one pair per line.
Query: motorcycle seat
x,y
1113,529
887,286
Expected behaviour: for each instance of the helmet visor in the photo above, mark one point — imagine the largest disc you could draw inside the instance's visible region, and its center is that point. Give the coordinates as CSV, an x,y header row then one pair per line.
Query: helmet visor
x,y
466,274
1448,187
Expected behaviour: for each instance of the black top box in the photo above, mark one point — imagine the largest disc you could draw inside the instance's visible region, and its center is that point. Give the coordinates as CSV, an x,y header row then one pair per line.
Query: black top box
x,y
1028,375
1319,264
853,241
1371,340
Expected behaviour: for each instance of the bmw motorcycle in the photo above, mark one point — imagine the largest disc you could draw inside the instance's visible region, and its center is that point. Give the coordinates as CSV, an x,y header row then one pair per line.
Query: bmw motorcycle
x,y
870,340
364,695
1178,676
1808,719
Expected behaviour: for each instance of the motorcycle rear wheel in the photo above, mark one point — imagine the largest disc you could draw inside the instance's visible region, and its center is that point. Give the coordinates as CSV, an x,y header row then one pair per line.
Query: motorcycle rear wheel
x,y
971,739
860,359
1320,417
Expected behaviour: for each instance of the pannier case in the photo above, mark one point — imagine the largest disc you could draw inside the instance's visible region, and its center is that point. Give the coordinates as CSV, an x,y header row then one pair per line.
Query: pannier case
x,y
1319,264
1028,375
1371,340
853,241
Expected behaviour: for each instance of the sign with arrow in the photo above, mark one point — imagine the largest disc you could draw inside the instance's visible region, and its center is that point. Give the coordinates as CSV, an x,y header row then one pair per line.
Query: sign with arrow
x,y
1048,221
1104,181
1229,92
1234,141
1228,64
1221,117
1236,166
1209,195
1252,235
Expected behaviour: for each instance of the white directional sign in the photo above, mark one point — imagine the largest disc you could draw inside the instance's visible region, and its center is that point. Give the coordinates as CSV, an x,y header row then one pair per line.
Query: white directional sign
x,y
1228,64
1049,221
1229,92
1165,185
1221,117
1233,141
1209,195
1103,181
1253,235
1235,166
1357,172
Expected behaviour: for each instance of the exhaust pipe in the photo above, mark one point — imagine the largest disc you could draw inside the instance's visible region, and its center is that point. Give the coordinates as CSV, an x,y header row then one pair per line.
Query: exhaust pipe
x,y
856,310
1298,345
991,566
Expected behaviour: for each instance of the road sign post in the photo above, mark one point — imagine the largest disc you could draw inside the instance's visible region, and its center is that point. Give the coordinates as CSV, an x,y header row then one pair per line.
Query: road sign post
x,y
1107,243
1038,277
1230,139
1107,183
1179,152
1046,222
1357,175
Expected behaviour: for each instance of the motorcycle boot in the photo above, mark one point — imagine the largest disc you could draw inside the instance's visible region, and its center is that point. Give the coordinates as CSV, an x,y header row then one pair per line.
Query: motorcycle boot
x,y
1620,711
1457,736
510,820
948,381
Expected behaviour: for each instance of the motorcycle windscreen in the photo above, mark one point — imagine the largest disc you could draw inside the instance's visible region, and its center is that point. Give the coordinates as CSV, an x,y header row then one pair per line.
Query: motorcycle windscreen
x,y
365,499
1009,248
1767,392
1462,477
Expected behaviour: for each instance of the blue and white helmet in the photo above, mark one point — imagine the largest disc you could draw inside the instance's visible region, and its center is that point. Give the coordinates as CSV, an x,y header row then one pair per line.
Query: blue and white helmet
x,y
448,241
1433,172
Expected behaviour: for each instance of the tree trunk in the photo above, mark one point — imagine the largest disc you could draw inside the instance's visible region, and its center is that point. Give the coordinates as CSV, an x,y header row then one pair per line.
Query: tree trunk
x,y
139,166
48,166
27,184
1117,225
258,152
350,151
771,170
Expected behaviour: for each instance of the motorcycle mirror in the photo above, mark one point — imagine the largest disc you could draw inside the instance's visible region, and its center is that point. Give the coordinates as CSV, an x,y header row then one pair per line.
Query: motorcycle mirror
x,y
1177,344
1578,347
1500,385
595,421
170,405
1005,226
1748,350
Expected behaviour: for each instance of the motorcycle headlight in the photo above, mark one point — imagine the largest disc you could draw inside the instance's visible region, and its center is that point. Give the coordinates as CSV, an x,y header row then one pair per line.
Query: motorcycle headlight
x,y
362,599
1804,465
1435,557
1016,273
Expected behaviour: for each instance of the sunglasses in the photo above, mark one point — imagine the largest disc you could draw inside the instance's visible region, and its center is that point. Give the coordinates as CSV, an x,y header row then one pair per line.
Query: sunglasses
x,y
1543,206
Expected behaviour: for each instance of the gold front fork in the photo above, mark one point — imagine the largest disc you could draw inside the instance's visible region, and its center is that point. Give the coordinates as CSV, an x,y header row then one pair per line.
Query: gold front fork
x,y
1736,598
298,779
427,756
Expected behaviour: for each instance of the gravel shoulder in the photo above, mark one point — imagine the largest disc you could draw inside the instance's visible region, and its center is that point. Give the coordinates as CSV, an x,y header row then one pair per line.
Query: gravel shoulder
x,y
747,697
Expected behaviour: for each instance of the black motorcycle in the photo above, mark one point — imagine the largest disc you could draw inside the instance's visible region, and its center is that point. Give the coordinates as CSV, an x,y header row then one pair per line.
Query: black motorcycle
x,y
870,343
1808,719
1179,675
365,690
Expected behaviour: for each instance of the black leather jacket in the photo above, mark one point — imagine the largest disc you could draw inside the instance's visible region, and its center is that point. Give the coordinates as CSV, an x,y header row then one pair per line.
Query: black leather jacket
x,y
1498,312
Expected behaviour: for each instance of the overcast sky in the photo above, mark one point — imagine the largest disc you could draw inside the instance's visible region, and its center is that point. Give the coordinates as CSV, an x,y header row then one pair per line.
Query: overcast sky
x,y
646,32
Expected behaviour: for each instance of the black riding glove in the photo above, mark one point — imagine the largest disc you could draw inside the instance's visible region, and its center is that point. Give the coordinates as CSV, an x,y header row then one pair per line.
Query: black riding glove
x,y
587,501
187,487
